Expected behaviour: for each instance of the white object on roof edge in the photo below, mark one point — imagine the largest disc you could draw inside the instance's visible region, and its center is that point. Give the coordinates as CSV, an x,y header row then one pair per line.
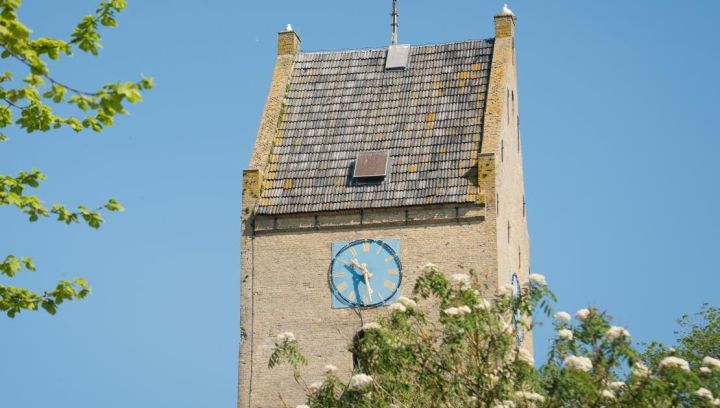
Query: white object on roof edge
x,y
398,56
289,27
506,11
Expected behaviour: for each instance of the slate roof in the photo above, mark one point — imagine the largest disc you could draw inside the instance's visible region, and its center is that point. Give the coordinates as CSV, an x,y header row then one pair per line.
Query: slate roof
x,y
337,104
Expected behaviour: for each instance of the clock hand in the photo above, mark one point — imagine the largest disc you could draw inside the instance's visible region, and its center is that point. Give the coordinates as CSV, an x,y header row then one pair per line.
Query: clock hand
x,y
364,269
360,266
356,264
368,275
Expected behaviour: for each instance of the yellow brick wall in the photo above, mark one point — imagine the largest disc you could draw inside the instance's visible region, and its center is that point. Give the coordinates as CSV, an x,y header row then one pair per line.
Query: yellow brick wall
x,y
502,139
291,293
288,46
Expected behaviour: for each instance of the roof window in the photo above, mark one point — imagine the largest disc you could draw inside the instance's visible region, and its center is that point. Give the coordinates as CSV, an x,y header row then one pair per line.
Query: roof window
x,y
371,165
397,57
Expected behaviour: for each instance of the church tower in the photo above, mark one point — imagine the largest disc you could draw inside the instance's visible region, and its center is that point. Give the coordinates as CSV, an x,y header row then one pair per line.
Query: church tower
x,y
368,164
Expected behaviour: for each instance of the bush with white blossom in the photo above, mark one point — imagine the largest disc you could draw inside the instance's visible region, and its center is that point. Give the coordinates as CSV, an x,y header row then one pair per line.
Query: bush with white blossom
x,y
564,316
711,363
466,354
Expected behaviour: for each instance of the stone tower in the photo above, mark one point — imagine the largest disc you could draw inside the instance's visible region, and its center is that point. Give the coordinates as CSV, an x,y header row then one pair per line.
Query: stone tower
x,y
397,157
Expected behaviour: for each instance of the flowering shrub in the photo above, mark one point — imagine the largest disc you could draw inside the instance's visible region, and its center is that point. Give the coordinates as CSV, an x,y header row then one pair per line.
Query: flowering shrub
x,y
466,354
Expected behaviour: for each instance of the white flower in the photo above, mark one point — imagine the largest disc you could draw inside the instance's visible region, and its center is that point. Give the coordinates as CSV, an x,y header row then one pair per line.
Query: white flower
x,y
407,302
539,279
457,311
398,307
505,404
330,368
578,363
582,314
564,316
484,304
608,394
289,336
616,385
451,311
505,290
712,363
371,326
360,381
493,379
565,334
704,393
716,402
705,370
526,356
529,396
674,362
429,267
461,279
672,350
315,386
640,370
617,332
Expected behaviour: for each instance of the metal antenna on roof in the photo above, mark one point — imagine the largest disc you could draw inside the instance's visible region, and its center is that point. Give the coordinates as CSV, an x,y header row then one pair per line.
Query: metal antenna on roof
x,y
394,23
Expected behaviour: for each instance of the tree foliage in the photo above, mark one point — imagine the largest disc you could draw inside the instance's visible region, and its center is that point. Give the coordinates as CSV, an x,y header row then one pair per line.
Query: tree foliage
x,y
29,99
698,336
468,353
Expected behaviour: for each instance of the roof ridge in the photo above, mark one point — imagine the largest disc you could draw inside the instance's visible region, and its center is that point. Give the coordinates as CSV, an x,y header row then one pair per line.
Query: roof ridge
x,y
424,45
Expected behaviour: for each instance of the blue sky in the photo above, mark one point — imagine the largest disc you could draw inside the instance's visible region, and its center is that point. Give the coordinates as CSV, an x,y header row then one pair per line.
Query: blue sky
x,y
618,103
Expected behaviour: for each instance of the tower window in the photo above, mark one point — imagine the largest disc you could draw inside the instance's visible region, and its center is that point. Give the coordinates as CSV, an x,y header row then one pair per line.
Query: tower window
x,y
508,106
519,259
524,206
508,232
518,132
502,150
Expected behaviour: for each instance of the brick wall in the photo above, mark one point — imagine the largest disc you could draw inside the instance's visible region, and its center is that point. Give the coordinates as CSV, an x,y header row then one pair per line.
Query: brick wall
x,y
506,210
291,293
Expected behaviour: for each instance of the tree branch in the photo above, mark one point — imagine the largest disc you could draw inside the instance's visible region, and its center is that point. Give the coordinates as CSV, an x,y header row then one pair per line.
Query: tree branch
x,y
46,76
10,104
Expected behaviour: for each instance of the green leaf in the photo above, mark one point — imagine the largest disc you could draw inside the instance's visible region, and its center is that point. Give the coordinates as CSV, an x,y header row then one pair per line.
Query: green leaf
x,y
49,306
30,105
29,265
147,83
113,205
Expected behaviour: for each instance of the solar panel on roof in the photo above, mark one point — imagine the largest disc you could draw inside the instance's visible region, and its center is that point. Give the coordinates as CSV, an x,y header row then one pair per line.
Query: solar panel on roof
x,y
371,165
397,56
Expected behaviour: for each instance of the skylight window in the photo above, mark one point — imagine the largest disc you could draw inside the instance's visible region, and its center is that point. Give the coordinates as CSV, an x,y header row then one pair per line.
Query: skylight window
x,y
371,165
397,57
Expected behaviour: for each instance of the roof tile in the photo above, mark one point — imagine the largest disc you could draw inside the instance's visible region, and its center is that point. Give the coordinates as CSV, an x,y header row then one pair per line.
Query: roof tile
x,y
429,116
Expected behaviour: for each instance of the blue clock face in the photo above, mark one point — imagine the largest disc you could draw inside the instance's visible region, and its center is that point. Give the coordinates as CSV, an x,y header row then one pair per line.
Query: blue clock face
x,y
365,273
517,316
